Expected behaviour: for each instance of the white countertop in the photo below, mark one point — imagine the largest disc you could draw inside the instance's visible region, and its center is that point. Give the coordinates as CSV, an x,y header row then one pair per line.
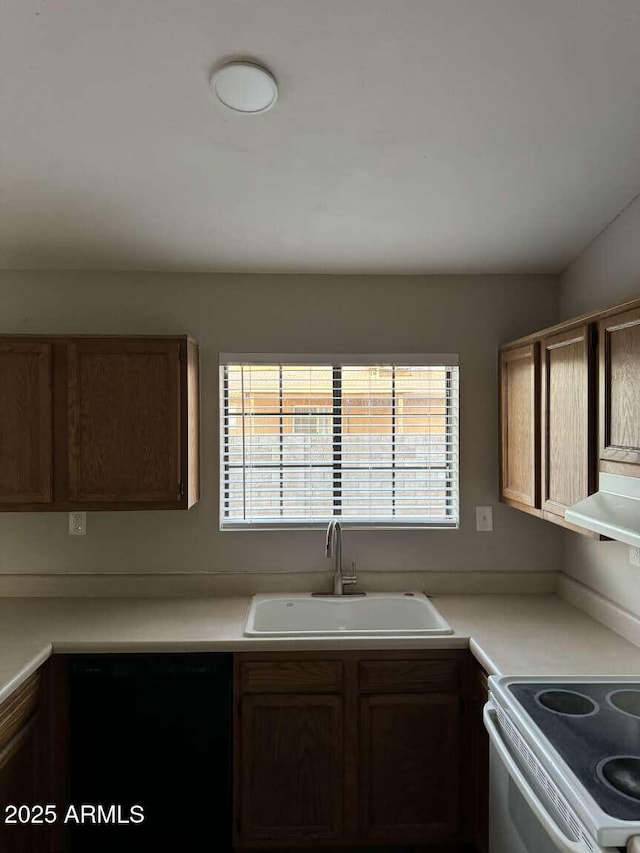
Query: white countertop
x,y
508,634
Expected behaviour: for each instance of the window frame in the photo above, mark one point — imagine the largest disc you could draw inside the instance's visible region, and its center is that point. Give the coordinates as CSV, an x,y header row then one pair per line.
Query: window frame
x,y
447,361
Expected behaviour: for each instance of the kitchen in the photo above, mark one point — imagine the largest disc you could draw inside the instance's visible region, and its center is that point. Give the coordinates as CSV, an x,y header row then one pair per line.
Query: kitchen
x,y
462,215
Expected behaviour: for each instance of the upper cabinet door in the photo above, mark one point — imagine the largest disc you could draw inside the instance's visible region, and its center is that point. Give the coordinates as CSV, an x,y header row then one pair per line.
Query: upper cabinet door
x,y
124,410
619,347
520,426
568,423
25,422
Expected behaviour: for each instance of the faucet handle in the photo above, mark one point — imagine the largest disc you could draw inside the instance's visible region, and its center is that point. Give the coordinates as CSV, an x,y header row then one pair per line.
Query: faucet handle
x,y
352,577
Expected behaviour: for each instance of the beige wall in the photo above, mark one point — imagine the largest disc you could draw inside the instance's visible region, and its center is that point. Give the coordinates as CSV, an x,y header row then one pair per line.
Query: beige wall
x,y
469,315
607,272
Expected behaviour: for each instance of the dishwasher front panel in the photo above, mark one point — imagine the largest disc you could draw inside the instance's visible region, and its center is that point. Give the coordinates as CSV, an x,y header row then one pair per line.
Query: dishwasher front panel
x,y
152,731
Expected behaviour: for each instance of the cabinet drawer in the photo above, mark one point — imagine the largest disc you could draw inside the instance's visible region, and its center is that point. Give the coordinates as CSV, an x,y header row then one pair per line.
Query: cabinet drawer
x,y
395,676
309,676
18,709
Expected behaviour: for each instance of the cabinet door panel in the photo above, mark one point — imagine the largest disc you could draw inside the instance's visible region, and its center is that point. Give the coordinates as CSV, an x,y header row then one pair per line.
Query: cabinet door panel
x,y
619,343
25,422
18,786
568,450
124,421
20,755
18,709
291,768
409,767
519,425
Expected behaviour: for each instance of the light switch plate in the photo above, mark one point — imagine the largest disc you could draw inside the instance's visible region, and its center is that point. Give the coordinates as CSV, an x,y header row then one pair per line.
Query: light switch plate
x,y
634,556
484,518
77,524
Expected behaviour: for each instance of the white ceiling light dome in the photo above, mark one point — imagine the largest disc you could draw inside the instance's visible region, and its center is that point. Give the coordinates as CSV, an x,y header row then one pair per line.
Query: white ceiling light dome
x,y
245,87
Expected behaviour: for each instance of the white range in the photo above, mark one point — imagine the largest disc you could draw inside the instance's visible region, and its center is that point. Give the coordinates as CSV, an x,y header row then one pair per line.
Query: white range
x,y
564,764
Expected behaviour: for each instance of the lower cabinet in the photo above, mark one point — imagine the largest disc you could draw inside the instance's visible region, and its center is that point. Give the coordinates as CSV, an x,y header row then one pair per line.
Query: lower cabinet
x,y
371,748
18,786
19,767
409,767
363,747
33,763
292,770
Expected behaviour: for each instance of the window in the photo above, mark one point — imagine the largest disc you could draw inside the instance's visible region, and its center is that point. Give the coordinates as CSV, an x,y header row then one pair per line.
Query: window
x,y
312,420
371,440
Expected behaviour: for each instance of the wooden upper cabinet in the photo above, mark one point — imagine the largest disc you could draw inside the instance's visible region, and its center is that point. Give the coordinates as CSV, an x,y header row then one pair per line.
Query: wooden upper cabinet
x,y
520,426
98,423
124,421
589,411
25,422
619,348
568,423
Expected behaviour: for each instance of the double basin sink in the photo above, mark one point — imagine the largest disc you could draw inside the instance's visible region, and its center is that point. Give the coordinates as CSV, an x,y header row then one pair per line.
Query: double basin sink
x,y
376,614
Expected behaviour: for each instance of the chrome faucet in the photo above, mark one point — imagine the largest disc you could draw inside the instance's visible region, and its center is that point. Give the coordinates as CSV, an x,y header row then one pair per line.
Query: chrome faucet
x,y
334,550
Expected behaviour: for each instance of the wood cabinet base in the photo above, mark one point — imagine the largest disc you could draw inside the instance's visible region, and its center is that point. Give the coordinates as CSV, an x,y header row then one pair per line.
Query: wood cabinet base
x,y
351,749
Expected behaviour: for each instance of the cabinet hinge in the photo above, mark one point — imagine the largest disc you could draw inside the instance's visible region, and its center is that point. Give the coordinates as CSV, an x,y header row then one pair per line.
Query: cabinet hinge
x,y
181,354
181,490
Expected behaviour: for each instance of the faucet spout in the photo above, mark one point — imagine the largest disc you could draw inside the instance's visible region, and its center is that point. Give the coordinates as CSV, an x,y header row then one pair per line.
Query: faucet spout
x,y
328,551
333,550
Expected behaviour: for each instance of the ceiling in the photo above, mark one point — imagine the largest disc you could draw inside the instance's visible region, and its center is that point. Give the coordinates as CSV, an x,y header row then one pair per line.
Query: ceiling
x,y
410,136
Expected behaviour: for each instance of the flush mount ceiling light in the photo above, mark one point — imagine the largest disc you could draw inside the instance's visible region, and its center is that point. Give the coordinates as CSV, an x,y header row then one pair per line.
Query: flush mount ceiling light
x,y
245,87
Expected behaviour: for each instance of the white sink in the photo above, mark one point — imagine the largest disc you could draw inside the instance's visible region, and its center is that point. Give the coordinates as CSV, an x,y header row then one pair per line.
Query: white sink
x,y
377,614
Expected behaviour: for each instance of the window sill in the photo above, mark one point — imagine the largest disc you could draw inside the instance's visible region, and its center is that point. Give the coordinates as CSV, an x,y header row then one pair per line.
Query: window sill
x,y
346,525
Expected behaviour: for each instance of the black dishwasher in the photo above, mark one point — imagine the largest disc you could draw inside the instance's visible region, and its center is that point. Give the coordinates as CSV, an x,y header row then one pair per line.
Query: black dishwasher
x,y
152,731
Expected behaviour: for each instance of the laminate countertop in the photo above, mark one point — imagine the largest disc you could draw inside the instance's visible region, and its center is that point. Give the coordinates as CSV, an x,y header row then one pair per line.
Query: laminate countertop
x,y
508,634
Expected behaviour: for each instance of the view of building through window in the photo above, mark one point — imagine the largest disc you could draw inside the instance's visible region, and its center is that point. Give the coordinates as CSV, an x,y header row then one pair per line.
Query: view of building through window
x,y
370,443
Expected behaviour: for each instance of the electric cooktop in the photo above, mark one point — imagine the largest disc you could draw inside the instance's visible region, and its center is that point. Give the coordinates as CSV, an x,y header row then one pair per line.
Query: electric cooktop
x,y
595,728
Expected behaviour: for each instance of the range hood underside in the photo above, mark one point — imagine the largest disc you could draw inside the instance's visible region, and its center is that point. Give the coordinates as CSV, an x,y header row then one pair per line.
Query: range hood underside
x,y
613,511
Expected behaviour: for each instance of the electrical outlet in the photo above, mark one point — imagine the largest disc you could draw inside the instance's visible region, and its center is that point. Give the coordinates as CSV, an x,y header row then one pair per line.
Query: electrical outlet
x,y
77,524
634,556
484,518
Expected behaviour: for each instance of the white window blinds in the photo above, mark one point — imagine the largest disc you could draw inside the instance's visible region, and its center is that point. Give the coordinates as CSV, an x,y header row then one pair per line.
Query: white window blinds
x,y
371,440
